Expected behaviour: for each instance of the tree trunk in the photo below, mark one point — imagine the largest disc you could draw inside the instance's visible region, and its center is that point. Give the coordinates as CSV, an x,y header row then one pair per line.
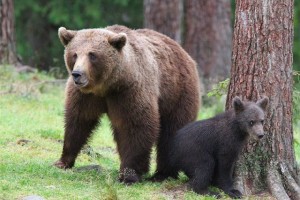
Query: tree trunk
x,y
262,66
164,17
7,40
208,37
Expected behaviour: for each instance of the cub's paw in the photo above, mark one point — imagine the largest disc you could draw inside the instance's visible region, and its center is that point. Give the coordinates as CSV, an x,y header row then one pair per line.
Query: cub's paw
x,y
62,165
128,176
233,193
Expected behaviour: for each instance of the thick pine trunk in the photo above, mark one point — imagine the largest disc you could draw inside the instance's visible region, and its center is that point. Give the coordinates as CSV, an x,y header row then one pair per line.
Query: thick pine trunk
x,y
208,37
7,40
164,17
262,66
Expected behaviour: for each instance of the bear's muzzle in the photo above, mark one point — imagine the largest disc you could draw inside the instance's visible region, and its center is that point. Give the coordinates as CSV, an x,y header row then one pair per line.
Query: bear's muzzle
x,y
79,78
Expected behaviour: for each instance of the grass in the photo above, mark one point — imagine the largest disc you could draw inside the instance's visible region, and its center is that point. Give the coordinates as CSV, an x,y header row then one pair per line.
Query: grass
x,y
31,134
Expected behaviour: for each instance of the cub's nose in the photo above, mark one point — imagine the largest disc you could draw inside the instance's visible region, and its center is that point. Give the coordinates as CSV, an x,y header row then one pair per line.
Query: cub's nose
x,y
76,76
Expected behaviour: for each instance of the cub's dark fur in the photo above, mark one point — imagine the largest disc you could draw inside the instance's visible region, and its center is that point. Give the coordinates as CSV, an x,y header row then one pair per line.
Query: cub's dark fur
x,y
207,150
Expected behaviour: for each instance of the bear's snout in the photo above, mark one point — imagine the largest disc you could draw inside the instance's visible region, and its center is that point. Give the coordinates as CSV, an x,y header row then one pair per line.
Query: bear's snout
x,y
78,77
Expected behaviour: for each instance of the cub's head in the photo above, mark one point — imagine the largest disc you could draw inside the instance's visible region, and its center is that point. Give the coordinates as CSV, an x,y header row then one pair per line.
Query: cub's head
x,y
92,56
251,116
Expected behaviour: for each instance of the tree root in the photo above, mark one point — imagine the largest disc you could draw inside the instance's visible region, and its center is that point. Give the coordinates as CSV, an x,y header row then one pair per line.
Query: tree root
x,y
275,185
283,182
290,181
295,173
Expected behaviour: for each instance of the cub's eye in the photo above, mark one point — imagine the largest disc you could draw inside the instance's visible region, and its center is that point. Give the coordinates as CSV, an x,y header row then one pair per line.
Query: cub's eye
x,y
262,121
251,123
92,56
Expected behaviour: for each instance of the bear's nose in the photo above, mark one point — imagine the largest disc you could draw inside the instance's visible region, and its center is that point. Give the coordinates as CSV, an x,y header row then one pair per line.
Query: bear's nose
x,y
76,76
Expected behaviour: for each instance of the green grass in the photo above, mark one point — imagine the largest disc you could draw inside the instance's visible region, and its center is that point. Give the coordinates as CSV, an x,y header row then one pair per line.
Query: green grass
x,y
31,134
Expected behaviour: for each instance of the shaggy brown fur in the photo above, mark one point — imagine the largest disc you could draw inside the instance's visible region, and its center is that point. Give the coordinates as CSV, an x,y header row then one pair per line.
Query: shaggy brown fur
x,y
145,82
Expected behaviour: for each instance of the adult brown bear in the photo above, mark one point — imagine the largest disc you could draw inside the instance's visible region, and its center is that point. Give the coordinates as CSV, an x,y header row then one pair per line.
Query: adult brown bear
x,y
145,82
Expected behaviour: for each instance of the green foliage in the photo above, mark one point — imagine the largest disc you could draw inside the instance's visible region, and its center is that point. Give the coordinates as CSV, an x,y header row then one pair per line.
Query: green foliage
x,y
296,50
215,100
296,97
296,112
220,89
37,23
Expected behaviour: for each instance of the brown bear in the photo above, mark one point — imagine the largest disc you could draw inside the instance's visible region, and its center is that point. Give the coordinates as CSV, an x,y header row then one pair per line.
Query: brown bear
x,y
143,80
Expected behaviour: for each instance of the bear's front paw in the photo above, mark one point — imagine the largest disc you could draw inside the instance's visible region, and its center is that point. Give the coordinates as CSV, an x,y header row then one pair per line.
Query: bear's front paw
x,y
128,176
62,165
233,193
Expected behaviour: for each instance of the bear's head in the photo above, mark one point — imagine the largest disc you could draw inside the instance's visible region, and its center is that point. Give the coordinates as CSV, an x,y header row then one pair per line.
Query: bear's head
x,y
92,57
251,116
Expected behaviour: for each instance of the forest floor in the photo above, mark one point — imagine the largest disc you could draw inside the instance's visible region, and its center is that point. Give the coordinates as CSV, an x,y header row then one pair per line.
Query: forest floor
x,y
31,135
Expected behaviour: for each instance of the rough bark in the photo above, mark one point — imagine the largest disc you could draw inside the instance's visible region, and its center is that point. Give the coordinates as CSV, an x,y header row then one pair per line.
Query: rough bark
x,y
164,17
262,66
7,40
208,37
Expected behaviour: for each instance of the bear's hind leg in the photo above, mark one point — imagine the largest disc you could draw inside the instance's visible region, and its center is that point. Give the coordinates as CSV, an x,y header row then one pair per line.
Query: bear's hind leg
x,y
184,112
136,128
134,154
164,167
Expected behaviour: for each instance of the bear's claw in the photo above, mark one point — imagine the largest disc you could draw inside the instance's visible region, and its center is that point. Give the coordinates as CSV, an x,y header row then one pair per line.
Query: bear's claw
x,y
128,176
60,164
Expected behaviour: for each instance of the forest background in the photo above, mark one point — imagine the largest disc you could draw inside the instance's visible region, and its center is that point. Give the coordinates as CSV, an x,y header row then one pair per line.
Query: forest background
x,y
32,141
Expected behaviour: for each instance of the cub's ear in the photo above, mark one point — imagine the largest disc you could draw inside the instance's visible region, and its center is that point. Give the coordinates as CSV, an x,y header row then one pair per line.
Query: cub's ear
x,y
118,41
263,103
65,35
237,104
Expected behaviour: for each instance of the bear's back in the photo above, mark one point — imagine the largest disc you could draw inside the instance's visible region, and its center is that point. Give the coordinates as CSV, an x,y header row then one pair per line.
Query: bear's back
x,y
164,64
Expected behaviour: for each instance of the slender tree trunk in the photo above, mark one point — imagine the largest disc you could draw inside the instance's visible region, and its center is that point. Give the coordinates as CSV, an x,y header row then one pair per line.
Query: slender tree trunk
x,y
208,37
164,16
262,65
7,40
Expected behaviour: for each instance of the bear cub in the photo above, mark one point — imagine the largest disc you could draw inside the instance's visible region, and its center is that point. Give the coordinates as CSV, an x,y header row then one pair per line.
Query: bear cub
x,y
207,150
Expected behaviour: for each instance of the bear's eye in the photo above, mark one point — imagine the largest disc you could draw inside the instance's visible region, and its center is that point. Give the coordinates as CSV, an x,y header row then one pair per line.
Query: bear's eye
x,y
262,121
251,123
92,56
74,56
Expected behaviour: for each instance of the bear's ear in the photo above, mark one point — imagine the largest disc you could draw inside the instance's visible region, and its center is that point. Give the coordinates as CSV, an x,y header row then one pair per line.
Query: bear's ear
x,y
65,35
263,103
237,104
118,41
